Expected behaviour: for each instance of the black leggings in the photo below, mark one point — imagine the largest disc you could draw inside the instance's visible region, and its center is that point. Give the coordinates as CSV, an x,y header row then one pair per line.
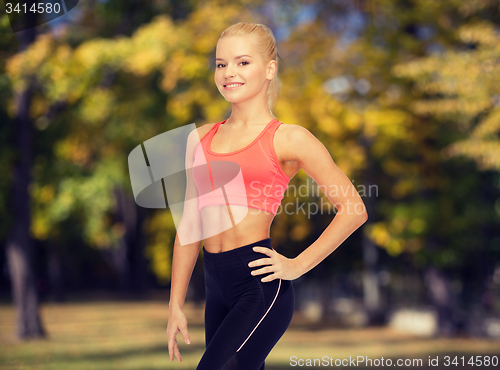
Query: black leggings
x,y
244,317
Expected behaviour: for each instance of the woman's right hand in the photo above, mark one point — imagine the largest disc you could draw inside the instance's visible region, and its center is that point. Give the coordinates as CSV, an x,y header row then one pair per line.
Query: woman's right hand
x,y
177,322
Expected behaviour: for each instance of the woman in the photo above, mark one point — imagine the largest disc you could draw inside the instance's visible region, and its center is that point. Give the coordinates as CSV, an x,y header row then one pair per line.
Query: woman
x,y
249,292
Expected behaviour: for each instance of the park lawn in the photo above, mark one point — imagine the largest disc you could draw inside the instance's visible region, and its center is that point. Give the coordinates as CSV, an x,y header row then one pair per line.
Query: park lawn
x,y
106,335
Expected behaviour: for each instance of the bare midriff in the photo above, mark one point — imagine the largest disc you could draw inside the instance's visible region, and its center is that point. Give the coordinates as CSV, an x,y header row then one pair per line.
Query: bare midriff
x,y
255,225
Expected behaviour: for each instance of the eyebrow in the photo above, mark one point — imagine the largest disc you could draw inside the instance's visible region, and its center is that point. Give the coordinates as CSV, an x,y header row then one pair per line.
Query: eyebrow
x,y
239,56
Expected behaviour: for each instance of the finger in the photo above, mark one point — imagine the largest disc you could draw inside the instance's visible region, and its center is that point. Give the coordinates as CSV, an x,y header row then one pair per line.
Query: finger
x,y
263,250
178,354
172,343
263,270
269,278
171,350
259,262
175,351
185,335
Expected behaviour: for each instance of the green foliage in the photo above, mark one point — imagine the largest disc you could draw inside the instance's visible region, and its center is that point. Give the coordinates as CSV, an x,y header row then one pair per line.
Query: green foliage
x,y
418,117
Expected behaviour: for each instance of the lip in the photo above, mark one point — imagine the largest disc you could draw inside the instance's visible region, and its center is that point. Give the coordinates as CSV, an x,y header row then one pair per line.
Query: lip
x,y
233,88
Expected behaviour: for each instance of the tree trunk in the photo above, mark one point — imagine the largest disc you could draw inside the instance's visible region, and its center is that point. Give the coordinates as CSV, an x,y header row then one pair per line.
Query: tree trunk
x,y
129,259
19,245
140,262
122,255
438,286
371,289
55,273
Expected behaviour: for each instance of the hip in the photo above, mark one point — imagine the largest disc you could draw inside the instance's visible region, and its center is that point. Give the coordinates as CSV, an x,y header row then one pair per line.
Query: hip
x,y
228,275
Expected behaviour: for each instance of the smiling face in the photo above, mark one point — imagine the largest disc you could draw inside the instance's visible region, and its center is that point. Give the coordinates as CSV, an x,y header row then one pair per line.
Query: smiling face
x,y
240,72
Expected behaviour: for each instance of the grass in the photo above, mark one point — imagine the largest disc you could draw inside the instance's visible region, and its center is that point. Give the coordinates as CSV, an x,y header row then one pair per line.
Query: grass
x,y
106,335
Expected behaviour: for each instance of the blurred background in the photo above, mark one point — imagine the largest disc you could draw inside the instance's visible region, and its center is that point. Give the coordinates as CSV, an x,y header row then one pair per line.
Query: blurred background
x,y
405,95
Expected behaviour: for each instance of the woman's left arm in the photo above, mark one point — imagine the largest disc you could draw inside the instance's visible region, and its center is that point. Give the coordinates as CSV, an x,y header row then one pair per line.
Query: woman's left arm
x,y
313,157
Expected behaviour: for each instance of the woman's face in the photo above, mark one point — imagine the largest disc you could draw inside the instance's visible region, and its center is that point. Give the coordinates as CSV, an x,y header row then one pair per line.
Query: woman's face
x,y
237,61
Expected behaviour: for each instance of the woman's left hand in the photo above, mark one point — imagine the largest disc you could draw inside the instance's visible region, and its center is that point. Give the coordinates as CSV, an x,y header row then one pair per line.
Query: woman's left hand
x,y
283,267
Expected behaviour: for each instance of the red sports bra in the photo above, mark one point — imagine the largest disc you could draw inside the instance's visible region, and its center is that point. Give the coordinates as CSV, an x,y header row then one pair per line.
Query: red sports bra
x,y
251,176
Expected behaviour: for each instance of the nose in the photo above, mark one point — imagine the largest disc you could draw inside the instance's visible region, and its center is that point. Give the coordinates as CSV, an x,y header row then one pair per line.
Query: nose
x,y
229,72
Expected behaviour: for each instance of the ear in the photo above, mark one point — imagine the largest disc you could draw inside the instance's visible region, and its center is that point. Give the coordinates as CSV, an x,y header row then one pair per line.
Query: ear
x,y
272,69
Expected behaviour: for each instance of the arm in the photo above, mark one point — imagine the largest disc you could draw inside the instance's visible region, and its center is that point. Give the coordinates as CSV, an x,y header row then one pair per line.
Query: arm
x,y
315,159
188,238
185,255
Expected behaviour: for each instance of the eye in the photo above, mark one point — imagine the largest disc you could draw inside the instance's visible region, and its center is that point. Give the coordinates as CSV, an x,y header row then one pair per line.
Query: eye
x,y
221,64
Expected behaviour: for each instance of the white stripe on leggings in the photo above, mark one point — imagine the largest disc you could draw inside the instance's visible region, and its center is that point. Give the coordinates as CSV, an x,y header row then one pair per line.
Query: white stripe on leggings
x,y
279,285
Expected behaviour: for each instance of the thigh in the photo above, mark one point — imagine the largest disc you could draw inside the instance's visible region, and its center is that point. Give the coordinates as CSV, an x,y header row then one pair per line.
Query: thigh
x,y
215,307
233,330
271,328
215,313
251,329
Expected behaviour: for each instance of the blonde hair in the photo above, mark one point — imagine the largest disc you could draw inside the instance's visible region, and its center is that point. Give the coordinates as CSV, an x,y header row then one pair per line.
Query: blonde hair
x,y
265,43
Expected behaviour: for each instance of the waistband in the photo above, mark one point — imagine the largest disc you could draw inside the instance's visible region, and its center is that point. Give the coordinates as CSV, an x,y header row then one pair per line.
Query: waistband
x,y
231,257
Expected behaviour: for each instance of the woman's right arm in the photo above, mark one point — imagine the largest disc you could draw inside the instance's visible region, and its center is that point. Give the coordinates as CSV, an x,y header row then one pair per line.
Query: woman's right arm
x,y
186,250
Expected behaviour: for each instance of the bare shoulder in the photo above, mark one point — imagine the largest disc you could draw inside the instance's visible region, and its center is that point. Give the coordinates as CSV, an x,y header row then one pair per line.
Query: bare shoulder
x,y
295,132
295,136
199,133
203,130
291,139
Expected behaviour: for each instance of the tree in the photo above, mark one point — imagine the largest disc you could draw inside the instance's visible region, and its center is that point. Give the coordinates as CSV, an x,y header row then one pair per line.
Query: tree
x,y
20,246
